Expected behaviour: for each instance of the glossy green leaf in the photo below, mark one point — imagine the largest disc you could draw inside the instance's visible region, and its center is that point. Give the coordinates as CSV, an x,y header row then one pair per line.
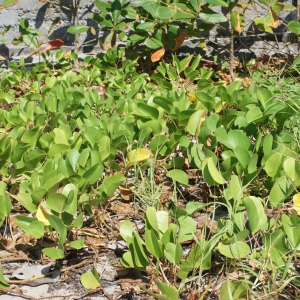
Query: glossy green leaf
x,y
254,114
294,27
256,214
168,290
187,228
3,282
291,169
211,16
54,253
173,253
151,219
237,249
26,200
7,3
195,122
210,172
233,290
152,243
90,280
153,43
275,247
36,229
274,164
291,225
76,29
178,176
59,227
281,189
164,12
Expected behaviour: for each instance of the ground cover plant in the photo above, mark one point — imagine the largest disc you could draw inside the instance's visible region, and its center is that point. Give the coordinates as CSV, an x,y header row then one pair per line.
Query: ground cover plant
x,y
73,142
209,167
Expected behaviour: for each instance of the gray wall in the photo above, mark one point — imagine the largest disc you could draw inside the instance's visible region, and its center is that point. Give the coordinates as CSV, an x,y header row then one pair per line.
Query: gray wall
x,y
41,14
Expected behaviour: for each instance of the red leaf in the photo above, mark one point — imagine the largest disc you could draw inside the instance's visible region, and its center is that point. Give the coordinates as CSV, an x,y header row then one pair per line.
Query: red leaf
x,y
54,44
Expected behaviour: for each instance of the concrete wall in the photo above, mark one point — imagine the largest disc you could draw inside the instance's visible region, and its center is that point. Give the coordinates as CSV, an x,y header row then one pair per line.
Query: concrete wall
x,y
41,14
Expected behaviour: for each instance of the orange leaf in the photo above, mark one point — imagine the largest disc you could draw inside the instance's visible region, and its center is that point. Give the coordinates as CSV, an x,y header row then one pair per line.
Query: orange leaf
x,y
54,44
179,39
157,55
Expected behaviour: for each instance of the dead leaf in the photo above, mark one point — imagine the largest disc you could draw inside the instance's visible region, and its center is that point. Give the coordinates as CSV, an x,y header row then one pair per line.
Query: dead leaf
x,y
30,272
157,55
125,193
6,244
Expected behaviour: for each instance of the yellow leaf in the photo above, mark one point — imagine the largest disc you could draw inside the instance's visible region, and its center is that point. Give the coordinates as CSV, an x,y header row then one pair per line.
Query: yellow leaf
x,y
137,155
296,200
192,97
42,214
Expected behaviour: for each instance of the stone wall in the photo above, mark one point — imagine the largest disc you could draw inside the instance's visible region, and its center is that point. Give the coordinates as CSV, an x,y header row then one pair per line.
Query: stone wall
x,y
41,14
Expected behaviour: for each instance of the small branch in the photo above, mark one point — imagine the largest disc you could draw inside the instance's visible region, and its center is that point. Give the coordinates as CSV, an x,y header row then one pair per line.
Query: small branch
x,y
231,55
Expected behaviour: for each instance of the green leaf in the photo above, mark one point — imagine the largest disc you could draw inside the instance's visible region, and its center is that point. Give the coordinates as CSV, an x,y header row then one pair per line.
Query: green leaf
x,y
148,111
217,3
90,280
291,169
116,11
179,176
210,172
140,257
291,227
110,184
274,164
281,189
78,244
234,190
256,214
55,253
59,227
30,225
3,283
195,122
93,174
187,229
153,43
5,202
79,220
236,249
152,243
237,21
78,29
26,200
164,12
173,253
233,290
151,218
276,248
7,3
261,25
254,114
211,16
170,291
56,202
294,27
